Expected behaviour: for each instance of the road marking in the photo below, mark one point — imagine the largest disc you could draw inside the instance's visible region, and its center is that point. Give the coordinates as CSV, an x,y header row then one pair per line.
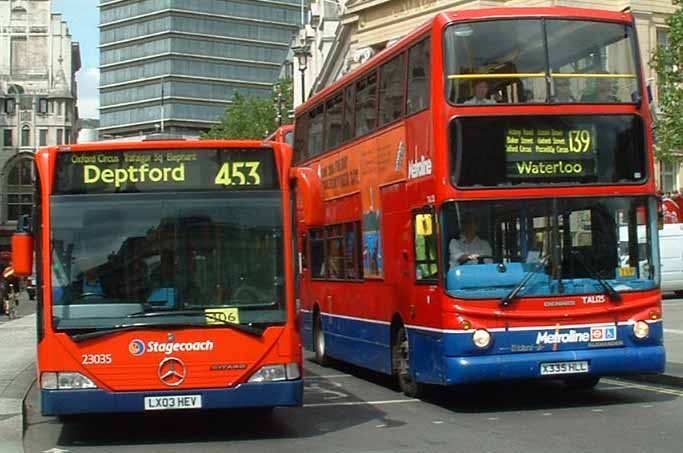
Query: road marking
x,y
328,376
362,403
650,388
676,331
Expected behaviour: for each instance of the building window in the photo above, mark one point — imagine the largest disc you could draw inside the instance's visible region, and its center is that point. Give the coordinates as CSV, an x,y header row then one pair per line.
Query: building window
x,y
67,135
7,137
42,137
43,105
25,136
10,105
668,177
60,136
20,189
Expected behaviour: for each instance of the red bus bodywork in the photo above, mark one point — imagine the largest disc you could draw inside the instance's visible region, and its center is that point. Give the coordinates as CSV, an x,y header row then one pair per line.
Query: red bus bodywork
x,y
141,368
359,320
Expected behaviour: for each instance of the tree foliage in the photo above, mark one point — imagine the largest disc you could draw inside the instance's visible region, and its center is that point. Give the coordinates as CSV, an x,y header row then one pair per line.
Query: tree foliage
x,y
250,117
668,62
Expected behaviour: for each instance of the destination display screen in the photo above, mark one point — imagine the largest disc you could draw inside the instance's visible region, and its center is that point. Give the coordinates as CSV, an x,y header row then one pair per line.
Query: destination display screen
x,y
536,150
532,152
199,169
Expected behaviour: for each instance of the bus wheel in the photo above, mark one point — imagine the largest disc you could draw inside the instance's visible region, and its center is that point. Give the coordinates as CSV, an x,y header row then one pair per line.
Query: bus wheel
x,y
319,342
582,383
401,353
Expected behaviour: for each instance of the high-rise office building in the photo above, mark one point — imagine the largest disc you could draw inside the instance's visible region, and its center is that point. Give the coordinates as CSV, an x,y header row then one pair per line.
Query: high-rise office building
x,y
38,94
176,64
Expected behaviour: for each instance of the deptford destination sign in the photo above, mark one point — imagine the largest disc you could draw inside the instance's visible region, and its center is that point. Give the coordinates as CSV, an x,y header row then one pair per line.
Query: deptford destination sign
x,y
165,170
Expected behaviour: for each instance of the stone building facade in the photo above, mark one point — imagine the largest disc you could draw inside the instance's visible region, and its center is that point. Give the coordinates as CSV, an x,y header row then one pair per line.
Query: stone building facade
x,y
38,94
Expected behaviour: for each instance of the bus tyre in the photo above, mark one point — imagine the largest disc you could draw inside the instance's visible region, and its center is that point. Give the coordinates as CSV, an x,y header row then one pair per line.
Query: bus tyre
x,y
582,383
404,374
319,342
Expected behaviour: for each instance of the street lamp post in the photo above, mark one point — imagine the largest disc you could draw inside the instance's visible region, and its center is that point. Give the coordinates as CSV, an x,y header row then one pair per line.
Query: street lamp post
x,y
302,53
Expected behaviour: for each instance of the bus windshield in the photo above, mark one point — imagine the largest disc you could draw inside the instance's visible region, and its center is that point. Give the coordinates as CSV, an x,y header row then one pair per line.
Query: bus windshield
x,y
116,255
540,61
572,246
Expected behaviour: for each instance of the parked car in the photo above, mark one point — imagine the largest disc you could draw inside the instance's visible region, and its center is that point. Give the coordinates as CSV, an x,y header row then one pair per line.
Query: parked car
x,y
31,287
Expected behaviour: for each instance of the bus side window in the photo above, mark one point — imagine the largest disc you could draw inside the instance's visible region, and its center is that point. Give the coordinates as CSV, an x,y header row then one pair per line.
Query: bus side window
x,y
426,260
317,253
418,77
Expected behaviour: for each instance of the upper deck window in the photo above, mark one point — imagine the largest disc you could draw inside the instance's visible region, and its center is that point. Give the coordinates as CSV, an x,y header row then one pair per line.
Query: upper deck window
x,y
540,61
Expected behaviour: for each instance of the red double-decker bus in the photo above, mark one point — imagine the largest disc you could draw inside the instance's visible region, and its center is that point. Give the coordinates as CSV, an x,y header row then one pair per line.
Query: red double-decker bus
x,y
489,203
165,277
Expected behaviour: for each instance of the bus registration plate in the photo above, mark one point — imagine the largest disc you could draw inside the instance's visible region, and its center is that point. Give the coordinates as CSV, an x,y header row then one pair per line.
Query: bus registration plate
x,y
579,366
162,403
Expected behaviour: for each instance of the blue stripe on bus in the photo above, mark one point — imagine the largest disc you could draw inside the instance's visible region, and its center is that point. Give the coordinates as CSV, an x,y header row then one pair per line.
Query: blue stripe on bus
x,y
451,357
64,402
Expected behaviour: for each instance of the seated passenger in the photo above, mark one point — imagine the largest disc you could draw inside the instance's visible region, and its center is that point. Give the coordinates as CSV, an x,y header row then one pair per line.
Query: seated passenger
x,y
469,247
563,92
603,92
481,90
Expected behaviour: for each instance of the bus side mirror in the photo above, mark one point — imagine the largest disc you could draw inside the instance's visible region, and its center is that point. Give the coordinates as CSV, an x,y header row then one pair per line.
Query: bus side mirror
x,y
309,196
22,254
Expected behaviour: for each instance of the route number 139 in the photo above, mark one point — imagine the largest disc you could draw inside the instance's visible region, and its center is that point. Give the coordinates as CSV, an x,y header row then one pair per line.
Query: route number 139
x,y
239,174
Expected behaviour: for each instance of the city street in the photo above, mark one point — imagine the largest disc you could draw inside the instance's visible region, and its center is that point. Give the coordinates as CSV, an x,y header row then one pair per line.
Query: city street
x,y
347,409
24,308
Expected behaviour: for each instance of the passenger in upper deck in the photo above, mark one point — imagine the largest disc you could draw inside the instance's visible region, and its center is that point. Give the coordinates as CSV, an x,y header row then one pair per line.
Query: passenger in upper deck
x,y
481,91
563,92
603,91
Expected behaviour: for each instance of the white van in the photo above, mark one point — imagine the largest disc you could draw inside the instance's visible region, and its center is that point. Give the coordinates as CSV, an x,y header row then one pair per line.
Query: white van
x,y
671,256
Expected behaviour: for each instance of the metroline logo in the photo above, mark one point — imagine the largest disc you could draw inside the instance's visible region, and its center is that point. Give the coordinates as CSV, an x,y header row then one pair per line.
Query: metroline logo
x,y
138,348
596,334
573,336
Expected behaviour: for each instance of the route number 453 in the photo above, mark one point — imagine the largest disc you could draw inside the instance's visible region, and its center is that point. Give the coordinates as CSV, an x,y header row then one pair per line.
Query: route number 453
x,y
239,174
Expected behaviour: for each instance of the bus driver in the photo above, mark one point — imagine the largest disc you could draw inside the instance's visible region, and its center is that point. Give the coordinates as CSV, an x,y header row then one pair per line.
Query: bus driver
x,y
469,247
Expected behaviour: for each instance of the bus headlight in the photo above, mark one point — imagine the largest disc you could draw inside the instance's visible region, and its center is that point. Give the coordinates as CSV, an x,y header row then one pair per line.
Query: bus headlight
x,y
273,373
65,381
641,330
481,338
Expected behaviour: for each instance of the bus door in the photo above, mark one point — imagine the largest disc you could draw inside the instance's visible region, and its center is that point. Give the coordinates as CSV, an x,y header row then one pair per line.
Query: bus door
x,y
424,308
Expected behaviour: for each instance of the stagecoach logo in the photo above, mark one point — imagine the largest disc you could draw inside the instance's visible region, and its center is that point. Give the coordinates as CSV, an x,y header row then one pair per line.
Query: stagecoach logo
x,y
172,371
136,347
418,169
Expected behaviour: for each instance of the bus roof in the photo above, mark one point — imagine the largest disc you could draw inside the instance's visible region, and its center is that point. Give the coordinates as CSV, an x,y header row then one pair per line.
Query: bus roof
x,y
158,144
445,18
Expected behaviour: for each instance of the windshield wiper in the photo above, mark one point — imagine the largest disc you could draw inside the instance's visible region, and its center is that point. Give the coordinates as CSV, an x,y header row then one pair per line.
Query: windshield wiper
x,y
512,295
613,294
121,328
246,328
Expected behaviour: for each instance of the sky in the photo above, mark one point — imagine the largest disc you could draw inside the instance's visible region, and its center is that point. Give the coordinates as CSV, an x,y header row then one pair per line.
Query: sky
x,y
82,17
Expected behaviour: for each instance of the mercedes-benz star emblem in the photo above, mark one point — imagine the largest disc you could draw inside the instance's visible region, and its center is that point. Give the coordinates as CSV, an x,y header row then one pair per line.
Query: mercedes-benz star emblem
x,y
172,371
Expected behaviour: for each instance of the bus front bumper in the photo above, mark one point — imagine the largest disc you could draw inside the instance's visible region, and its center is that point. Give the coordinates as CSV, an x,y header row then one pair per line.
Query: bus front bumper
x,y
615,361
270,394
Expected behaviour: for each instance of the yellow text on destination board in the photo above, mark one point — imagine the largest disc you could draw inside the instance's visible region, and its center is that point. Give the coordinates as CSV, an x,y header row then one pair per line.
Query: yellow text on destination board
x,y
92,174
